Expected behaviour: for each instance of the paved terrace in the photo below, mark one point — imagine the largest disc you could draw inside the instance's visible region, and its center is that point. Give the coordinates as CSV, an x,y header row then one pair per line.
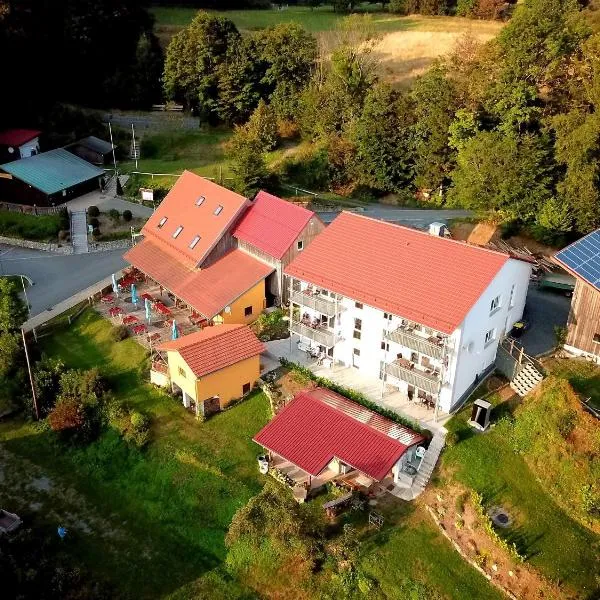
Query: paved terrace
x,y
351,378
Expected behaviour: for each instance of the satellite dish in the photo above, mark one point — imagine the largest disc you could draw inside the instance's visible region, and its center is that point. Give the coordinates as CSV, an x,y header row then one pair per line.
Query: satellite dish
x,y
11,150
228,310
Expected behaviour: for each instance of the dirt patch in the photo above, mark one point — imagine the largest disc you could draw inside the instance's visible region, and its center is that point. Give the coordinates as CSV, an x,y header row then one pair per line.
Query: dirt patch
x,y
457,516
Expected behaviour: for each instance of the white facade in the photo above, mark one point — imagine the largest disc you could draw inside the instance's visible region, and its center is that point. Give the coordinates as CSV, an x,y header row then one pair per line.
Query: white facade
x,y
419,361
25,150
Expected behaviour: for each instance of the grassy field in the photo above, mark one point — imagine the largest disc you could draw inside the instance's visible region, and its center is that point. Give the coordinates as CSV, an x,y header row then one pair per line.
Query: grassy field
x,y
561,548
583,375
40,228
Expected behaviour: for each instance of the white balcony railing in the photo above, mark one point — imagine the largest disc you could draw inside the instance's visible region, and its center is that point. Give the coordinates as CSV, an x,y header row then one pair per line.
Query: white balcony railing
x,y
322,336
424,381
416,342
318,302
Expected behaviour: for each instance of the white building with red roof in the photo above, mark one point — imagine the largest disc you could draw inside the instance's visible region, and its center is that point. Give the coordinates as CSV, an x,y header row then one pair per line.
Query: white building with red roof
x,y
19,143
422,313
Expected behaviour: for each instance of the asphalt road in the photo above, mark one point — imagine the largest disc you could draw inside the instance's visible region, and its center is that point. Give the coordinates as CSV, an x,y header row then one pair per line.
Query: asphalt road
x,y
56,277
417,218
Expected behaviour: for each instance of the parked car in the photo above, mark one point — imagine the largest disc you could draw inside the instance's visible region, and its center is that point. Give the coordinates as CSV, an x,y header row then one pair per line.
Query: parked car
x,y
561,282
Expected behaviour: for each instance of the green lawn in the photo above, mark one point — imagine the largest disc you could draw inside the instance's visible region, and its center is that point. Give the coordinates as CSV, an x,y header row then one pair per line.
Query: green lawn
x,y
39,228
169,507
561,548
583,375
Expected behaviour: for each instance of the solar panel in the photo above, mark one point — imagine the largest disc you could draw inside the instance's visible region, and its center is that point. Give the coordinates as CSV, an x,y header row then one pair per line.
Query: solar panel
x,y
583,258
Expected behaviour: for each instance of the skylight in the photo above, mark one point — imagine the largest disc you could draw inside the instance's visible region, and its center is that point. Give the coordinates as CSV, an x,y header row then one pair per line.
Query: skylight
x,y
194,242
162,222
218,210
178,231
200,200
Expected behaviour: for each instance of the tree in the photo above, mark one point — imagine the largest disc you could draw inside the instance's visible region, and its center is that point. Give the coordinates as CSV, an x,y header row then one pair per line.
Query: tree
x,y
12,310
248,162
47,373
384,140
510,176
262,126
192,62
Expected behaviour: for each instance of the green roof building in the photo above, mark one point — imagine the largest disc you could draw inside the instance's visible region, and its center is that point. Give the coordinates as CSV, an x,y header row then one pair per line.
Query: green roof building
x,y
48,178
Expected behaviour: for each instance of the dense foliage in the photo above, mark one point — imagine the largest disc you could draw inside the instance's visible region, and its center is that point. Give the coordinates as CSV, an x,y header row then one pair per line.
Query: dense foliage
x,y
42,228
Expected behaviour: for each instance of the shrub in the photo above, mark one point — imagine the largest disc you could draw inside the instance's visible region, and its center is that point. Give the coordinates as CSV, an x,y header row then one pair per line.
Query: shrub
x,y
93,211
138,431
127,216
119,333
96,232
95,223
41,228
114,214
398,7
64,219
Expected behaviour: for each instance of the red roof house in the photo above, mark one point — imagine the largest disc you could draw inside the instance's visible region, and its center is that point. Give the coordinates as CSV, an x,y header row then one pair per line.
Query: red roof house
x,y
319,427
18,143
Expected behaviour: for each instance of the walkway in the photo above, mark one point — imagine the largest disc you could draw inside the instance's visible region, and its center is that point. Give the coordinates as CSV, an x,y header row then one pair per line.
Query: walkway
x,y
79,235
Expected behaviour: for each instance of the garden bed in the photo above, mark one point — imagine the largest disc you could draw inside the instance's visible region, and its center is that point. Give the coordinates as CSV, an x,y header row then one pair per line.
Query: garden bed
x,y
112,225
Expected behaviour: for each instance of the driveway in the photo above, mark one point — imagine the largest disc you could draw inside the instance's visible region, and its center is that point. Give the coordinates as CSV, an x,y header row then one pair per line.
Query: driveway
x,y
106,201
57,277
545,310
417,218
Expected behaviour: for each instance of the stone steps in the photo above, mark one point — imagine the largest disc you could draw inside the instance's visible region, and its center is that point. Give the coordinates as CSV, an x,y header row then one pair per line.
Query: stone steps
x,y
527,379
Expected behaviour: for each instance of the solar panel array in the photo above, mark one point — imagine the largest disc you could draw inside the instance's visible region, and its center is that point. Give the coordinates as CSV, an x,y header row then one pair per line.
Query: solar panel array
x,y
583,258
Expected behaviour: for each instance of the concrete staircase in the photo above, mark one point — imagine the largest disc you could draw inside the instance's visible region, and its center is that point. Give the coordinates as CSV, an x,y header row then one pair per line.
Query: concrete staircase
x,y
425,469
526,380
79,236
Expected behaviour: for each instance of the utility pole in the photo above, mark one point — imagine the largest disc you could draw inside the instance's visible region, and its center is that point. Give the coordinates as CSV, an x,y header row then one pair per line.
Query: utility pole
x,y
135,150
26,298
113,148
35,404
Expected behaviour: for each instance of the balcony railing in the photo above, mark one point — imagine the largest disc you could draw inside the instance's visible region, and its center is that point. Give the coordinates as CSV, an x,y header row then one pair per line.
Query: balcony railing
x,y
317,334
420,379
415,342
322,304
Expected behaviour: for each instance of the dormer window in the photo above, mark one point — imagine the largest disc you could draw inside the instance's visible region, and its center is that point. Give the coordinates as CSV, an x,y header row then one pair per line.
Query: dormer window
x,y
177,231
162,222
194,242
218,210
200,200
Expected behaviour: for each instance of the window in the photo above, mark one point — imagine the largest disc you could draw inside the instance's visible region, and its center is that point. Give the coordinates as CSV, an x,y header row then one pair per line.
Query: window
x,y
194,242
162,222
245,389
300,245
597,338
387,316
414,357
177,231
495,305
385,346
181,372
358,324
356,335
330,351
356,352
200,200
511,300
247,311
358,305
218,210
490,336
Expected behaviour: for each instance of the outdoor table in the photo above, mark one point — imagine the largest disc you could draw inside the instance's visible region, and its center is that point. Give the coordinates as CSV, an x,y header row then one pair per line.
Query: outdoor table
x,y
115,310
130,319
161,308
107,299
139,329
146,296
152,337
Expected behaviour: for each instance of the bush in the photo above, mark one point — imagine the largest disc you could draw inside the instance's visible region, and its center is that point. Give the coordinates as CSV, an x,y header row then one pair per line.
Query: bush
x,y
42,228
93,211
127,216
64,219
119,333
114,214
95,223
398,7
96,232
138,432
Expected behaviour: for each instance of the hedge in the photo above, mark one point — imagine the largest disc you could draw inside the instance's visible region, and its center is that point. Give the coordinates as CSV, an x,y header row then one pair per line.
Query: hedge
x,y
354,396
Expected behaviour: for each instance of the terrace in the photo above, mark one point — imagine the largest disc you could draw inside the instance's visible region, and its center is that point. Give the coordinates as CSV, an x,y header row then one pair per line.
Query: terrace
x,y
409,337
424,379
317,301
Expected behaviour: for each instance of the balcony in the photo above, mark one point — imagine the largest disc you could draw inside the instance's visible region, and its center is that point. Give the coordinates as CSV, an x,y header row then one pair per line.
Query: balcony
x,y
320,335
404,370
322,304
409,339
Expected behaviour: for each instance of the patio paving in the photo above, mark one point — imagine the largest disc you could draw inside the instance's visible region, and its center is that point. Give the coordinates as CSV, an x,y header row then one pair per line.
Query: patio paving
x,y
353,379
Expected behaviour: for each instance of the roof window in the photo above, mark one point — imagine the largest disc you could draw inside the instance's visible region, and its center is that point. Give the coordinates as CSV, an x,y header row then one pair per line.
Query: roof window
x,y
162,222
200,200
177,231
194,242
218,210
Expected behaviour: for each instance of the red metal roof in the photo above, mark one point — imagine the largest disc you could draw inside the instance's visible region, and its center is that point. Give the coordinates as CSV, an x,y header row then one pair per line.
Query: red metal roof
x,y
17,137
424,278
318,426
272,224
215,348
207,290
183,207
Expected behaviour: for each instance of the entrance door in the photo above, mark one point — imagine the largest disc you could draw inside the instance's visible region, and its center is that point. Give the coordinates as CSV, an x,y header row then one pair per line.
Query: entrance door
x,y
356,358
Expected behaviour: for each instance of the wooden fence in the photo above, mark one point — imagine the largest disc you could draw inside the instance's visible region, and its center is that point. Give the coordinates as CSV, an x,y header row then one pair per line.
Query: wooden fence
x,y
31,210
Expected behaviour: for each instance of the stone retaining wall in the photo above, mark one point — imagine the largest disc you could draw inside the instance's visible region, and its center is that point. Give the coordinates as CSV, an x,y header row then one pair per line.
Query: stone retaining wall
x,y
64,249
104,246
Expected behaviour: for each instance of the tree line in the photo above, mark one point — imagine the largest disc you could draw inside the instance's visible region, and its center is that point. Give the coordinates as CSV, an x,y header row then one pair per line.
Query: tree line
x,y
508,127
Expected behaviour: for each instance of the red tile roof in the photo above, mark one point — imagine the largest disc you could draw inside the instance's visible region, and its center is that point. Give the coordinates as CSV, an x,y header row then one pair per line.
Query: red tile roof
x,y
17,137
181,210
272,224
215,348
320,425
207,290
427,279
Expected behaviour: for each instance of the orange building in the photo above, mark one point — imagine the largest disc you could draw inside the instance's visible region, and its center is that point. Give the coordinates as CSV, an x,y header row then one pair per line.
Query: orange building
x,y
211,367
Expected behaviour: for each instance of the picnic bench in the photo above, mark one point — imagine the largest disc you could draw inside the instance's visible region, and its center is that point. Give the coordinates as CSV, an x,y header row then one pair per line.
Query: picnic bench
x,y
130,320
107,299
115,311
139,329
161,308
332,507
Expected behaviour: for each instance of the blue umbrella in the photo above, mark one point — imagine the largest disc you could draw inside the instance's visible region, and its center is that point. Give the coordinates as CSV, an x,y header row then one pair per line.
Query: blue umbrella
x,y
174,332
115,286
134,296
148,306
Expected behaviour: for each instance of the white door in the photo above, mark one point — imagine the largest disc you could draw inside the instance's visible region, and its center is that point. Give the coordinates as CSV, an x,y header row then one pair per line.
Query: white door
x,y
356,358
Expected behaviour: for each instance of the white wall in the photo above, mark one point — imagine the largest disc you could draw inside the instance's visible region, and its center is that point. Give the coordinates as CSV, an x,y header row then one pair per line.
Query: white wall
x,y
31,147
474,355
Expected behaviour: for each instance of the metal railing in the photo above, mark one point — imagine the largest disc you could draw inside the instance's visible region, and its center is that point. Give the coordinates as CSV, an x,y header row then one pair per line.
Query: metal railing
x,y
419,379
415,342
321,336
319,303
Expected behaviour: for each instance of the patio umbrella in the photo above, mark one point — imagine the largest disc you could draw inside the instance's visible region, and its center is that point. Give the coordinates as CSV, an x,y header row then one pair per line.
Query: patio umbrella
x,y
148,307
174,332
115,286
134,296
